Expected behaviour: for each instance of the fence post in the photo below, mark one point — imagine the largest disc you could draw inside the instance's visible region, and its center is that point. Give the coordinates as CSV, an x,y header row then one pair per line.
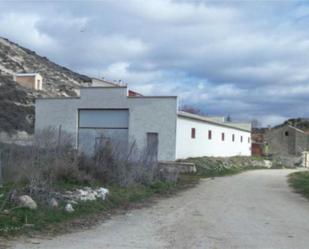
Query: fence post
x,y
1,180
59,139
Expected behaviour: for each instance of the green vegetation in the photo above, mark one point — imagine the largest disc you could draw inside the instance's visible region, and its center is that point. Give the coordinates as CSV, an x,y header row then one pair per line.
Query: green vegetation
x,y
51,166
13,116
300,123
214,166
300,182
16,220
20,220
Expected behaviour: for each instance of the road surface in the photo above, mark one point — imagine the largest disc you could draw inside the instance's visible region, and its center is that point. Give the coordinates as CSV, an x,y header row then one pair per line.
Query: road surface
x,y
255,209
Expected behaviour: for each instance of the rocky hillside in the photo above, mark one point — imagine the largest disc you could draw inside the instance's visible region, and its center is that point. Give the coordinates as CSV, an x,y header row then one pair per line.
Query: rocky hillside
x,y
57,79
300,123
16,107
16,102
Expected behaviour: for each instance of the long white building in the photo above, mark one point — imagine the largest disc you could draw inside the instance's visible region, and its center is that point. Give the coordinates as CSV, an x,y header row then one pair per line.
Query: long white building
x,y
114,114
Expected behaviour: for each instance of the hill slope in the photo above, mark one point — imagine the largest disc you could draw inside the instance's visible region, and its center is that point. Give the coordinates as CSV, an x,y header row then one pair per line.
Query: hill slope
x,y
57,79
16,102
300,123
16,107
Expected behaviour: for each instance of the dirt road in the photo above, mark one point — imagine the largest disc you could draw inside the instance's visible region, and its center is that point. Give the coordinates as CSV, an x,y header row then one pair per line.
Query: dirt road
x,y
255,209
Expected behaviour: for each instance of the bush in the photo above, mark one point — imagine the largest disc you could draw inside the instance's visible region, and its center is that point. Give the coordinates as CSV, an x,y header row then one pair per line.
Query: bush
x,y
111,165
38,168
52,161
300,182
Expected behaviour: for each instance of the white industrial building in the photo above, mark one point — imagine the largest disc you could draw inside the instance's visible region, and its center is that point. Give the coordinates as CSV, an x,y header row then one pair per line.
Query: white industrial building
x,y
113,113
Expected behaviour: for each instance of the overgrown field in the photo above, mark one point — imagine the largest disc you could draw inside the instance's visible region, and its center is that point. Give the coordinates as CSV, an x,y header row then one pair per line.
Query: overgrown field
x,y
300,182
20,220
50,168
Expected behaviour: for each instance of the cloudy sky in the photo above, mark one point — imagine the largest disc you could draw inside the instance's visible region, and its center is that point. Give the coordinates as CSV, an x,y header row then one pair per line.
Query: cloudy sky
x,y
249,59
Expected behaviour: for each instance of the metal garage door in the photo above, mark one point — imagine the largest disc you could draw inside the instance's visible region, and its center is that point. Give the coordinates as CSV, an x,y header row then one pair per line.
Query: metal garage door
x,y
104,119
99,127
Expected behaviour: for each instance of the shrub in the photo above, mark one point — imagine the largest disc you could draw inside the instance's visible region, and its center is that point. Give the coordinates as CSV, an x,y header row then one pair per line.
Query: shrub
x,y
39,167
300,182
112,165
52,160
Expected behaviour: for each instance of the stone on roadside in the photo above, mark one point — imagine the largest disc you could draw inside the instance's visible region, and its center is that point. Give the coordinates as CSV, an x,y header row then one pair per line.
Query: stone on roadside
x,y
72,202
27,202
6,211
88,197
268,164
69,208
102,193
53,203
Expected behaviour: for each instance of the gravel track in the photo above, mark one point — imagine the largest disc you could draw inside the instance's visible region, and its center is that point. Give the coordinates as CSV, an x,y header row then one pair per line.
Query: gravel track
x,y
255,209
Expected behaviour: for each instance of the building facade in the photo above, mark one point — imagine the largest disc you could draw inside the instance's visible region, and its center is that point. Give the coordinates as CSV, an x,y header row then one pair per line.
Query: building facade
x,y
287,140
113,114
29,80
200,136
258,147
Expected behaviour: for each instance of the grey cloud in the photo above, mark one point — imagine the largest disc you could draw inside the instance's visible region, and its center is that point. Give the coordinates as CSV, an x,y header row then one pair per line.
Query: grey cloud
x,y
248,59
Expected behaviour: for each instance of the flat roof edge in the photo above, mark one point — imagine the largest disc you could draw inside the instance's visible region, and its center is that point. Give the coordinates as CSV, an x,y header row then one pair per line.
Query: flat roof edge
x,y
56,98
129,97
26,74
204,119
141,97
92,87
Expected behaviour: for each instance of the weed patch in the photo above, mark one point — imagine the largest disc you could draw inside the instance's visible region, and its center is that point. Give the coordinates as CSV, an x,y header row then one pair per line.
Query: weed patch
x,y
213,166
300,182
21,220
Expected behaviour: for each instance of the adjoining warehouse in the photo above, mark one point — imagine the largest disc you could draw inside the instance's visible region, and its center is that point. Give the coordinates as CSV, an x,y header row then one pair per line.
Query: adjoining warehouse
x,y
112,114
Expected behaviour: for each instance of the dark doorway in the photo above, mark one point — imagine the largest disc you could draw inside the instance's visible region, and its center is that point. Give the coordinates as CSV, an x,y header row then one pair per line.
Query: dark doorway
x,y
152,145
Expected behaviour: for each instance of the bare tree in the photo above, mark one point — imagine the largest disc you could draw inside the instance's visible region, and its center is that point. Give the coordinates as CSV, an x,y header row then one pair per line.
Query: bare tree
x,y
191,109
255,123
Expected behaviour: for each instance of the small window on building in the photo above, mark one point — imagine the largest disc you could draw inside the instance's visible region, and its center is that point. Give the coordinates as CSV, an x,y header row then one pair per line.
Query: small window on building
x,y
249,140
209,134
241,139
193,133
233,138
222,136
286,133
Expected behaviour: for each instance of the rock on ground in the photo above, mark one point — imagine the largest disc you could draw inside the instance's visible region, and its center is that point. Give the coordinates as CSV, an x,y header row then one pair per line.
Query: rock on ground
x,y
53,203
69,208
27,202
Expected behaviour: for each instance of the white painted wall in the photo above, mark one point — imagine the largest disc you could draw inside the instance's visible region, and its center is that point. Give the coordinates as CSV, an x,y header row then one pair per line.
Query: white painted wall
x,y
38,81
202,146
146,114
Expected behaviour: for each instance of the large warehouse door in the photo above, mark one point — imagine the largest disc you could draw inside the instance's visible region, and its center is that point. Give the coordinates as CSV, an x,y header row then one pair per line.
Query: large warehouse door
x,y
99,128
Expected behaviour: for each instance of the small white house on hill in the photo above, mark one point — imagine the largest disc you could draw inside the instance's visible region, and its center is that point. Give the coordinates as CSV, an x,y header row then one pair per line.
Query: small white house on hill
x,y
113,114
29,80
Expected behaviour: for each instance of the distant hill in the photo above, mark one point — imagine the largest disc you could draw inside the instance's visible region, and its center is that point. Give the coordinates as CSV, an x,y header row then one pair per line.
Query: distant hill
x,y
16,102
300,123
